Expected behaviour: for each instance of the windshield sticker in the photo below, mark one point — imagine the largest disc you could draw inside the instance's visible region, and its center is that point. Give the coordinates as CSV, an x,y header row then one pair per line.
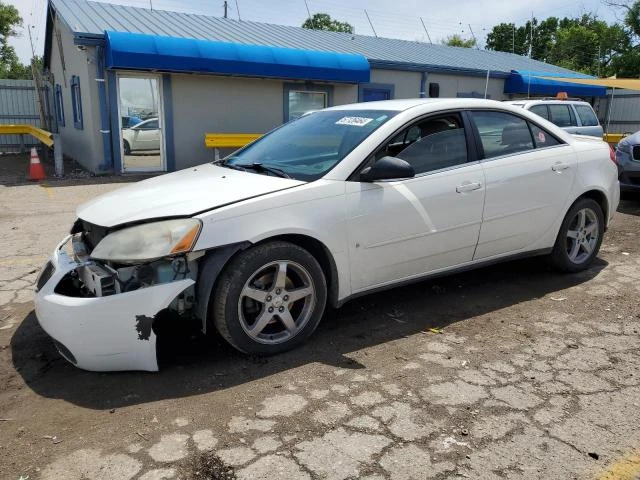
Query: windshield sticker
x,y
382,118
541,137
354,121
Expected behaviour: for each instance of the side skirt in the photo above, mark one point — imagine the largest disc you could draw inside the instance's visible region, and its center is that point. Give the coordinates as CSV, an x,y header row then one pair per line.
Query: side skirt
x,y
451,271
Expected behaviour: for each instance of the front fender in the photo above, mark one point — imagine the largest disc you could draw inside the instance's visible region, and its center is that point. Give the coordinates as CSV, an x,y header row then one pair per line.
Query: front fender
x,y
316,210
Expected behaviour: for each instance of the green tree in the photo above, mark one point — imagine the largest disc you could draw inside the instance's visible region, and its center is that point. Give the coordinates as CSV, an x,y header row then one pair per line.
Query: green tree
x,y
10,20
585,43
631,14
502,38
543,37
627,62
456,40
322,21
537,37
632,18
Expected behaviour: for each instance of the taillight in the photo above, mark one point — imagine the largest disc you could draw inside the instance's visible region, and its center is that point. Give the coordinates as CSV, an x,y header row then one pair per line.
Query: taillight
x,y
612,154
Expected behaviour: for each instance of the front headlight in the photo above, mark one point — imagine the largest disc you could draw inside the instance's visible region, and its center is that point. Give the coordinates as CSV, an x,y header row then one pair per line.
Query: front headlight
x,y
149,241
624,147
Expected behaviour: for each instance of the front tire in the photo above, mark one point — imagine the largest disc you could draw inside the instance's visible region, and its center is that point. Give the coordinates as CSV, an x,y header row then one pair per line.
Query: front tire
x,y
579,237
269,298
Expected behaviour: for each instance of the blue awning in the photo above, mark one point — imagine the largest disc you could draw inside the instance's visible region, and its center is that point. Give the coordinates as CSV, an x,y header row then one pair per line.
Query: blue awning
x,y
522,81
138,51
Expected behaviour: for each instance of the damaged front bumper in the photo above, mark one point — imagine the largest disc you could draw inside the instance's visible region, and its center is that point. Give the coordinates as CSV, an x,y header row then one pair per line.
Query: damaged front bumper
x,y
101,333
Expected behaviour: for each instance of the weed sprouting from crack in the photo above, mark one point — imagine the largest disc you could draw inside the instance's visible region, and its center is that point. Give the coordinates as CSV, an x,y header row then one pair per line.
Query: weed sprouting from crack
x,y
206,466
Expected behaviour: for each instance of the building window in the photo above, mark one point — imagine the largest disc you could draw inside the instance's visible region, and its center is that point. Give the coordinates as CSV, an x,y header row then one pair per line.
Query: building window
x,y
370,92
59,105
300,98
76,102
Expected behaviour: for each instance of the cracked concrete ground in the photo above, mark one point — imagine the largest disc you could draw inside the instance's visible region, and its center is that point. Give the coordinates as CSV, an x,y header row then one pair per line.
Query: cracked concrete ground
x,y
535,375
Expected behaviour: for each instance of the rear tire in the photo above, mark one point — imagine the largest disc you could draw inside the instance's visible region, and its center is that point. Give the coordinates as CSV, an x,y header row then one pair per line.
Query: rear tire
x,y
127,148
269,298
579,237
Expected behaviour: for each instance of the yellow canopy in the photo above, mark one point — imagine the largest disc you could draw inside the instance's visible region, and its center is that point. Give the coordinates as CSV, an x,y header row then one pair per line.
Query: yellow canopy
x,y
629,83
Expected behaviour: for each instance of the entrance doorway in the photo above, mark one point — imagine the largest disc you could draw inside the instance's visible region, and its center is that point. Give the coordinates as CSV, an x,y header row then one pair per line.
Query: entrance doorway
x,y
141,119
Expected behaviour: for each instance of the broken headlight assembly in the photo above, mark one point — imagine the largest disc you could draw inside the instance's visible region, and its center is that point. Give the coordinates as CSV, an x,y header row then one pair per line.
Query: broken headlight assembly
x,y
150,241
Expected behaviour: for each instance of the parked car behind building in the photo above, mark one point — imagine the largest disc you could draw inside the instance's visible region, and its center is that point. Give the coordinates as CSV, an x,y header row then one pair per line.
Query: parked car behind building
x,y
143,136
574,116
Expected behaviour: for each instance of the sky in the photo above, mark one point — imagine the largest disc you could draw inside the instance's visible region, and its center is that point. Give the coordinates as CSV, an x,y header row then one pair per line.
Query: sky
x,y
399,19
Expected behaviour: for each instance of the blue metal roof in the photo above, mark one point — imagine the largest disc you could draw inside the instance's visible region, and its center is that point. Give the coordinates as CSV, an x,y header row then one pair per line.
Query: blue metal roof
x,y
152,52
88,20
525,81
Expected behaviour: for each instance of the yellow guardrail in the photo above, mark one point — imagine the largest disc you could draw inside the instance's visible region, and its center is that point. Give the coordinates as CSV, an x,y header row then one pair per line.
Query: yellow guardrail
x,y
236,140
613,138
42,135
229,140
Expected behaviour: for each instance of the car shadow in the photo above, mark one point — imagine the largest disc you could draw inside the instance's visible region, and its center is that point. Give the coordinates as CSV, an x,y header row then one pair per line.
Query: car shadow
x,y
201,364
630,204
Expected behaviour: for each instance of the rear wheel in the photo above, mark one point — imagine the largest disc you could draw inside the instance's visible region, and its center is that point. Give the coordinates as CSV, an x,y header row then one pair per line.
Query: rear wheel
x,y
270,298
580,236
127,148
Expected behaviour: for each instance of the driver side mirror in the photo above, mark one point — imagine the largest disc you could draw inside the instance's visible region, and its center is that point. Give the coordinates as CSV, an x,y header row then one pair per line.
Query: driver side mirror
x,y
387,168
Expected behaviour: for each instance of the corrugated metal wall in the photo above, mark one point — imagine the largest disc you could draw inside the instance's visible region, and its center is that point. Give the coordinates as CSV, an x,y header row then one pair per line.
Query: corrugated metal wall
x,y
19,104
624,116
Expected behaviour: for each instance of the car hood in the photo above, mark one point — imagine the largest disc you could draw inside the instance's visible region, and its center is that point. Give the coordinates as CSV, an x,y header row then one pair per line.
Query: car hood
x,y
180,194
631,139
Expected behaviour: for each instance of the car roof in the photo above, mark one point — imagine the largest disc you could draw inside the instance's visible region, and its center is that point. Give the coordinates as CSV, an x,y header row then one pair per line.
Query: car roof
x,y
544,102
408,103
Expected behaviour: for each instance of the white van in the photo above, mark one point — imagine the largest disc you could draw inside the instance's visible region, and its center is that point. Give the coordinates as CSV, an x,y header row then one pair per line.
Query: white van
x,y
574,116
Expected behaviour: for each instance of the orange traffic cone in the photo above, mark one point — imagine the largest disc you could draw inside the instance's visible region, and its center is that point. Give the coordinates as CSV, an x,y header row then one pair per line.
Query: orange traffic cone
x,y
36,170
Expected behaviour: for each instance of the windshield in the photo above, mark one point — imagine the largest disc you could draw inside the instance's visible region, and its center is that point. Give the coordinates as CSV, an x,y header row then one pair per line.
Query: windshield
x,y
307,148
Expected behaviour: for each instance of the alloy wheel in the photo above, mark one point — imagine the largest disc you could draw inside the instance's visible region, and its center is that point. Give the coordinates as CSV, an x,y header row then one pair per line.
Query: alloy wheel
x,y
582,236
276,302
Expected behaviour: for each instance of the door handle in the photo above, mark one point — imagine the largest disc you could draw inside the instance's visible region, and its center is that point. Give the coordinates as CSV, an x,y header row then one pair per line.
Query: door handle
x,y
558,167
468,187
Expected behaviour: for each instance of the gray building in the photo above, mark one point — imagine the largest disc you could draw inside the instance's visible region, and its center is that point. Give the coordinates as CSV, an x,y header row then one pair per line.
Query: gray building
x,y
174,77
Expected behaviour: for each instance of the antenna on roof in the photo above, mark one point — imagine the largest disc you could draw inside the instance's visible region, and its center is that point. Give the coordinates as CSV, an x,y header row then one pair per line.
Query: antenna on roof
x,y
374,30
238,10
474,37
425,30
226,6
531,36
313,26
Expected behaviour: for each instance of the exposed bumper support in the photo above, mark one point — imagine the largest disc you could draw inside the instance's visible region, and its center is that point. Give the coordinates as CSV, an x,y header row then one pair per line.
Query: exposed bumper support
x,y
103,333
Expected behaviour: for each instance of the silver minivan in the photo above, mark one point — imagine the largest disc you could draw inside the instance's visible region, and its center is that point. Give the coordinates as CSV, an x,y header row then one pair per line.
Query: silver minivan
x,y
574,116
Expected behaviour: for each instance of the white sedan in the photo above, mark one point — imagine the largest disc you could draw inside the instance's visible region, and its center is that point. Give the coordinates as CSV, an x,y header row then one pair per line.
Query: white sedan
x,y
142,136
331,206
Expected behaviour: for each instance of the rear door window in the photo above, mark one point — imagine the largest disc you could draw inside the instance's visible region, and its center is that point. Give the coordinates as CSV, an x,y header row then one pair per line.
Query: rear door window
x,y
587,116
562,116
502,133
540,110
